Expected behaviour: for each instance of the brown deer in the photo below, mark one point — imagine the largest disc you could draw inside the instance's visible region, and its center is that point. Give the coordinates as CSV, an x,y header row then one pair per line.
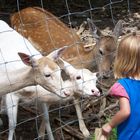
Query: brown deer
x,y
106,46
46,32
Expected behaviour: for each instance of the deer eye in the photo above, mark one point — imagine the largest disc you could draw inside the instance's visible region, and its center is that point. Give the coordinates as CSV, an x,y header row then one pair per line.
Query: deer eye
x,y
47,75
101,52
78,77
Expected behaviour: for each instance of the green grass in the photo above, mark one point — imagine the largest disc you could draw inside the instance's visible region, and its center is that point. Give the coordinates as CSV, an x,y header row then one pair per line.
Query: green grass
x,y
93,137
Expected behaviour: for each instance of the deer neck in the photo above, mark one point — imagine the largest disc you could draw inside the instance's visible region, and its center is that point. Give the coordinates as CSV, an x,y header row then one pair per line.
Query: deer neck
x,y
16,80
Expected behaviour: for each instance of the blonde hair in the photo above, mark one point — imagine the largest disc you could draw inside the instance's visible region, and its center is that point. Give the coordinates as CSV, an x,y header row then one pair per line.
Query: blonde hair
x,y
127,61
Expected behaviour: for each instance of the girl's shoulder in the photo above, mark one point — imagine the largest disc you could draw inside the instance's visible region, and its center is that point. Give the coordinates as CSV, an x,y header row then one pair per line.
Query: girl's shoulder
x,y
118,90
131,86
129,81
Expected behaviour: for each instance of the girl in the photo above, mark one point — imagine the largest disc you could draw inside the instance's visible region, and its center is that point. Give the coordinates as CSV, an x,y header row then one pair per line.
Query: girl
x,y
127,89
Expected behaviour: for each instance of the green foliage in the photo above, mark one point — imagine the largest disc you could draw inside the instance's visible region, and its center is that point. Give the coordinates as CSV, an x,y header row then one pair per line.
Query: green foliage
x,y
113,135
93,137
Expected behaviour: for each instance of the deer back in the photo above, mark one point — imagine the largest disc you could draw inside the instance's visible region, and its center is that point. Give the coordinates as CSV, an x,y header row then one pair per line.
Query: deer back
x,y
46,32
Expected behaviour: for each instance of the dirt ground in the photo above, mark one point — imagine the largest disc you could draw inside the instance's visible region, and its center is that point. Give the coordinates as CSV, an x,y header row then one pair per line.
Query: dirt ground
x,y
96,110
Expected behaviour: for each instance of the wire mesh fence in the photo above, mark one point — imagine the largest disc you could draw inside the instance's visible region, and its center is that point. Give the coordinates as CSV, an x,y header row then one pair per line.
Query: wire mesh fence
x,y
62,115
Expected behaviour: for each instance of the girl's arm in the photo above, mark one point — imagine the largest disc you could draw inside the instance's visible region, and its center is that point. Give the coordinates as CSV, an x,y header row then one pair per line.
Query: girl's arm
x,y
119,117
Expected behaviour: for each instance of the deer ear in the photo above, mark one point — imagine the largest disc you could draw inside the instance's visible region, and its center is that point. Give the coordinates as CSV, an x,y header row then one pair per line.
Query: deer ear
x,y
95,31
60,62
26,59
67,67
118,28
57,53
89,47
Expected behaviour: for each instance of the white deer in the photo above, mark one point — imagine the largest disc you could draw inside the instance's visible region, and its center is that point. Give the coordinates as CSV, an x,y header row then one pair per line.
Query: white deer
x,y
36,69
82,82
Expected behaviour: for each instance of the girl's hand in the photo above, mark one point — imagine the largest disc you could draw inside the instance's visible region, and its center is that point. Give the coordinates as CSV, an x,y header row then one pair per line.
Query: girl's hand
x,y
106,129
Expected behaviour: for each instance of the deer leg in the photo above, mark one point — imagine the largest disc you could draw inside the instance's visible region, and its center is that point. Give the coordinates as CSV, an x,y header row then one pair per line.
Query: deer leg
x,y
47,122
82,125
12,107
42,129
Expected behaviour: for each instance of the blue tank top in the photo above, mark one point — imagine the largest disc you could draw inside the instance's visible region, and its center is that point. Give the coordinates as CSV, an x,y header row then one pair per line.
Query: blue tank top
x,y
130,128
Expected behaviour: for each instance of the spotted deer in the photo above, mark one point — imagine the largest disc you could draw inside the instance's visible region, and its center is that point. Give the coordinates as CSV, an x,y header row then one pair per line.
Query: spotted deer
x,y
47,33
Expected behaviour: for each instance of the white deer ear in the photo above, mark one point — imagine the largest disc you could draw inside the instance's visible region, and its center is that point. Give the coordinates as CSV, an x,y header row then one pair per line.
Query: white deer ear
x,y
67,67
57,53
27,59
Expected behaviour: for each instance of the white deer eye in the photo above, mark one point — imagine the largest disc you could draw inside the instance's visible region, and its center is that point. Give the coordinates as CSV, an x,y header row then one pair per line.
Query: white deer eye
x,y
47,75
78,77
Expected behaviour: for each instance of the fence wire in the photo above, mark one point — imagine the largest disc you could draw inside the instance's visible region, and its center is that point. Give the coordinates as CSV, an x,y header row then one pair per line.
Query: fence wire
x,y
72,13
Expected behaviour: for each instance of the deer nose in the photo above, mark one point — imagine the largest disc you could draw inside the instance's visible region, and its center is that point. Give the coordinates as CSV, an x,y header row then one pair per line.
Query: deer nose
x,y
66,93
95,92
